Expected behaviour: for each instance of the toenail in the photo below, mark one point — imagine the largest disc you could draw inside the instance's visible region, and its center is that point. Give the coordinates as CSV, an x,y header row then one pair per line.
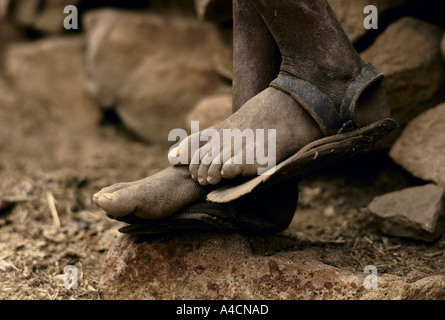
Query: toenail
x,y
96,195
109,196
200,180
174,153
222,172
209,179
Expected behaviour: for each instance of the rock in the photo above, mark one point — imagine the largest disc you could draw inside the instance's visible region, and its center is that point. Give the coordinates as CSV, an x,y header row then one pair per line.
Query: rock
x,y
232,266
183,6
442,47
7,95
211,110
49,74
8,33
392,288
417,212
151,68
8,118
23,12
48,104
50,18
421,147
350,14
329,211
218,266
45,16
408,54
216,10
223,59
4,5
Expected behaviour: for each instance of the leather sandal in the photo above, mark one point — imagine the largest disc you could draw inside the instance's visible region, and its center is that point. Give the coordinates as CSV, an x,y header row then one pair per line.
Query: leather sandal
x,y
343,137
265,212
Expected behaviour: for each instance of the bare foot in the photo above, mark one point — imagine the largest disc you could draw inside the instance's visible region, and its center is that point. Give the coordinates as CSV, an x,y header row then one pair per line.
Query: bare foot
x,y
172,189
322,55
271,109
155,197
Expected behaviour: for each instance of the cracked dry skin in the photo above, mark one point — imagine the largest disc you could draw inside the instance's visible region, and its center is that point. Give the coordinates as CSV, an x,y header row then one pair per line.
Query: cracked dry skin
x,y
308,56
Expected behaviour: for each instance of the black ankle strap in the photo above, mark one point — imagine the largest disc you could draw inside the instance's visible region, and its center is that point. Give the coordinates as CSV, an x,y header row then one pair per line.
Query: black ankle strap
x,y
320,107
315,102
367,76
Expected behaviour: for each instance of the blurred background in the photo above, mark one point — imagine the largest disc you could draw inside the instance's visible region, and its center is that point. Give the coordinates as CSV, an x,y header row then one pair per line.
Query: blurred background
x,y
83,108
148,64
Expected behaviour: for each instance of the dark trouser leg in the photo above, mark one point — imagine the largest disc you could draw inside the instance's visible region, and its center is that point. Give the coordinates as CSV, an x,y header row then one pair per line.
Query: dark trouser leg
x,y
256,56
313,45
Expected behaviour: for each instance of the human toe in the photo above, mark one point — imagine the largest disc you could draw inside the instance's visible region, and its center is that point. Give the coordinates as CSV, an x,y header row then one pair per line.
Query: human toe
x,y
117,203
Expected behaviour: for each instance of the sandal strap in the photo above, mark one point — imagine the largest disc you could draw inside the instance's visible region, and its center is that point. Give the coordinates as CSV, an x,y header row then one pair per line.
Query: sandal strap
x,y
367,76
200,216
320,107
315,102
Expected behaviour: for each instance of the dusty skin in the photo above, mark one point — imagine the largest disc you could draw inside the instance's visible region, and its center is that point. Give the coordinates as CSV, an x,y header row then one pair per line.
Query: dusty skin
x,y
305,57
330,221
43,154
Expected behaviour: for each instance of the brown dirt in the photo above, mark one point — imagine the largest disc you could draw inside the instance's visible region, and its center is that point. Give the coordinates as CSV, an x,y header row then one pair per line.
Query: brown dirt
x,y
70,160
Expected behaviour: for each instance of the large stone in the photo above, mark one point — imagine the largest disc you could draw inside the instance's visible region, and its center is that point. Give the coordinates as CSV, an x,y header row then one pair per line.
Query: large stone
x,y
420,149
45,16
417,212
47,79
223,59
23,12
231,266
216,10
49,75
211,110
217,267
4,5
351,16
151,68
183,6
392,288
442,47
8,103
50,18
408,54
8,33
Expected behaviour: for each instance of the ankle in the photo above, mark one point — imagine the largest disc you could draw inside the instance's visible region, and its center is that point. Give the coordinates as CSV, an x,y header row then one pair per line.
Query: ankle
x,y
372,106
331,79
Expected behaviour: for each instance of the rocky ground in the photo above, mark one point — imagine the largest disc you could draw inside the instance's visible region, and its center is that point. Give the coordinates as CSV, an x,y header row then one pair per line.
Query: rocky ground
x,y
84,109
